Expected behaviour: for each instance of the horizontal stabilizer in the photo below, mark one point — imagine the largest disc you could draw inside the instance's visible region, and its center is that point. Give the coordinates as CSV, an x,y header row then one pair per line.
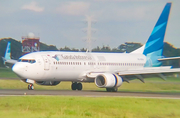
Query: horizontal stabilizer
x,y
168,58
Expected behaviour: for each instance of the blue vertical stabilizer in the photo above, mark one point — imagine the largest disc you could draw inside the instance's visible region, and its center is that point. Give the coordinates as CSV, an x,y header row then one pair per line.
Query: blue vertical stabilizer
x,y
7,54
154,46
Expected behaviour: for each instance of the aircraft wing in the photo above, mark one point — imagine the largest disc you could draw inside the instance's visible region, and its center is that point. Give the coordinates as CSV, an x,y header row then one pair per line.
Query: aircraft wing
x,y
140,74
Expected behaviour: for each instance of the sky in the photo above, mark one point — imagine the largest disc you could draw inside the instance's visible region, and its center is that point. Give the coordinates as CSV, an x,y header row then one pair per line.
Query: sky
x,y
62,22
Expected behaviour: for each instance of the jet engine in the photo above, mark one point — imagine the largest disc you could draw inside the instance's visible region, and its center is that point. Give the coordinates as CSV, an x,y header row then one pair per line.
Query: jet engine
x,y
48,83
108,80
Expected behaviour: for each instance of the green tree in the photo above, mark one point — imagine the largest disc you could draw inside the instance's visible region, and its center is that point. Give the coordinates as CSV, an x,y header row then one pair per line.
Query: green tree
x,y
45,47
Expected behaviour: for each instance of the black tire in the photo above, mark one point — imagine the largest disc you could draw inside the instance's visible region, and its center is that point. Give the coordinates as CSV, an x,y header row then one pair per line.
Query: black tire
x,y
108,89
29,87
74,86
79,86
32,87
114,89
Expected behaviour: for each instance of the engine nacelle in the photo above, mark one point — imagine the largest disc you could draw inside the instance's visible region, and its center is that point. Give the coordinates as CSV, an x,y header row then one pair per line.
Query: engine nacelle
x,y
48,83
108,80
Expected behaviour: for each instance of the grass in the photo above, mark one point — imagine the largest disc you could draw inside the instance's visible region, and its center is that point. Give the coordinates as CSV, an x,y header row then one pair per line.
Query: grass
x,y
87,107
7,73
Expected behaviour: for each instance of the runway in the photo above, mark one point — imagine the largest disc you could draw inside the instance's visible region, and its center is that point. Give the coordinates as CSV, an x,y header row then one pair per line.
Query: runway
x,y
87,93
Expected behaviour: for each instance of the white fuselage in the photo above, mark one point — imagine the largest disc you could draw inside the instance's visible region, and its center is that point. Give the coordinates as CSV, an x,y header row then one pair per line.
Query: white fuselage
x,y
74,66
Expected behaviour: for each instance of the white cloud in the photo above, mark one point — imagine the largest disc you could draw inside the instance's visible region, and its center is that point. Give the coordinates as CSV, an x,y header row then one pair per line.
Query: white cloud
x,y
73,8
33,7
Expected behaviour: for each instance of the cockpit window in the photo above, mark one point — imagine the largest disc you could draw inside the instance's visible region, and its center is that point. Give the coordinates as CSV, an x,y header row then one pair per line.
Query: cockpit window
x,y
27,60
32,61
24,60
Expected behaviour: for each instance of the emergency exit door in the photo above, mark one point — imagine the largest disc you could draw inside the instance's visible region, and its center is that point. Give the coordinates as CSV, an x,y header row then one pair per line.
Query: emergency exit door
x,y
46,62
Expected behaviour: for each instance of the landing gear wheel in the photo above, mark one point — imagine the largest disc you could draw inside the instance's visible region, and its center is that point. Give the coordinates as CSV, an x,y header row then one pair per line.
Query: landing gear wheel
x,y
74,86
79,86
30,87
112,89
108,89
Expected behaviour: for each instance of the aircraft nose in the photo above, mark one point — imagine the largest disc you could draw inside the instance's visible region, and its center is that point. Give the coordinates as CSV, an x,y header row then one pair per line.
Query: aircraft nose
x,y
18,69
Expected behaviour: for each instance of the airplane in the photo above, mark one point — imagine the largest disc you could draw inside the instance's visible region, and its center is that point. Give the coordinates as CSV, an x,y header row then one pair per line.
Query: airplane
x,y
7,55
106,70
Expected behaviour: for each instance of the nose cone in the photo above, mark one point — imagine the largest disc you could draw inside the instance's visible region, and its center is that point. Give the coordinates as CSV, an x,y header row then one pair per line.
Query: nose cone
x,y
18,69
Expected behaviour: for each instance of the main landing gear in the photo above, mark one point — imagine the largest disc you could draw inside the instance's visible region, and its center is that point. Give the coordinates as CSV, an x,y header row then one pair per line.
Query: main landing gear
x,y
76,86
112,89
30,87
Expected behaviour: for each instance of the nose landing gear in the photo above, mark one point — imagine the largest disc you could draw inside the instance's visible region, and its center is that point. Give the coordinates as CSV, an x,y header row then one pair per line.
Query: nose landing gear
x,y
30,87
76,86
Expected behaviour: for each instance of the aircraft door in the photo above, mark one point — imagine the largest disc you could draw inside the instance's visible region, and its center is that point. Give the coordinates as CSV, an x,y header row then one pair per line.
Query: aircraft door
x,y
46,62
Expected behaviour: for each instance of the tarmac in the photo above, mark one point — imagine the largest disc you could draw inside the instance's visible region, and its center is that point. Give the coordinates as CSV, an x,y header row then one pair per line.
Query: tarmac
x,y
87,93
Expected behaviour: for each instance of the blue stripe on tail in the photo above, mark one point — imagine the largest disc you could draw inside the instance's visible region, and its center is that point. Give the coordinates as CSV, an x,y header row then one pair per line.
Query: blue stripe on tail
x,y
7,55
154,46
